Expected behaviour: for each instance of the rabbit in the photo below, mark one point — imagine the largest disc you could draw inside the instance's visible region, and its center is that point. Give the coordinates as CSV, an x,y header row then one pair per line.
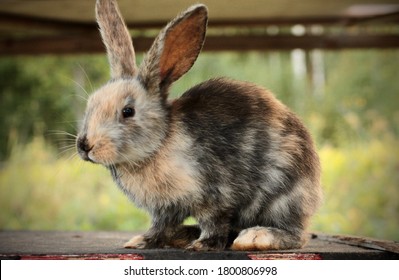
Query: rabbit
x,y
226,152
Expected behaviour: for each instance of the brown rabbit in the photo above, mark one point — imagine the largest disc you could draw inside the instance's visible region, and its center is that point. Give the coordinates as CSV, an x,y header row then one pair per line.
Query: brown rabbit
x,y
226,152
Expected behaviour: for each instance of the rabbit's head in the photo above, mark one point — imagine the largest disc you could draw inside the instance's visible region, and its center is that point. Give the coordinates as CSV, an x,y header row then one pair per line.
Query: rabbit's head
x,y
126,120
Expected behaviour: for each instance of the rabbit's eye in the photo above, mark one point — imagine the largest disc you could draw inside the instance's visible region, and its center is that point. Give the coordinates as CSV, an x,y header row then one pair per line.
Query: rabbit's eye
x,y
128,112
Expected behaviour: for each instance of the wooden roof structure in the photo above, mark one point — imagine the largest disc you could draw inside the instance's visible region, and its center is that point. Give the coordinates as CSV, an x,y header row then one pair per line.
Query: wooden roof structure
x,y
32,27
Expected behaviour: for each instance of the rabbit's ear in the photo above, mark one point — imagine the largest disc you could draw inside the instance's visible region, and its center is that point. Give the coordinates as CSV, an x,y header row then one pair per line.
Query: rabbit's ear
x,y
175,49
116,38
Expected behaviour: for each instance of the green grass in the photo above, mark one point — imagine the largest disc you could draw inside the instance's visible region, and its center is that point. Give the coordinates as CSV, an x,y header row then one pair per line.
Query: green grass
x,y
41,191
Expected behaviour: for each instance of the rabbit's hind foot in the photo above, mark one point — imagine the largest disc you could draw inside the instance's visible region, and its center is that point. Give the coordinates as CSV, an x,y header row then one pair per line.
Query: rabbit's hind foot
x,y
267,238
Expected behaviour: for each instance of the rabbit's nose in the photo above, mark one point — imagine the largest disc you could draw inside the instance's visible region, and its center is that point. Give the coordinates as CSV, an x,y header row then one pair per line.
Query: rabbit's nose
x,y
83,144
83,147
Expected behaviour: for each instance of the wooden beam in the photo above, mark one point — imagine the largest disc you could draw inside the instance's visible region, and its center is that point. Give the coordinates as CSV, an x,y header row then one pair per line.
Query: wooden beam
x,y
92,43
48,36
289,42
26,21
51,45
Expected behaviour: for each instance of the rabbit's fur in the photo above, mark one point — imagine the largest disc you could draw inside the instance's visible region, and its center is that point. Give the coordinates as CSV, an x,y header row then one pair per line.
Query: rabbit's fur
x,y
226,152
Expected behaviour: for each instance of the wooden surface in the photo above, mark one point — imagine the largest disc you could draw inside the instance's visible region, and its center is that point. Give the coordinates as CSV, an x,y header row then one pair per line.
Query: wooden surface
x,y
109,245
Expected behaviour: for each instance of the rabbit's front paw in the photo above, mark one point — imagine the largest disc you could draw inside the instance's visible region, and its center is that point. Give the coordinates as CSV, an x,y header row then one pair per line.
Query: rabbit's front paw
x,y
208,244
136,242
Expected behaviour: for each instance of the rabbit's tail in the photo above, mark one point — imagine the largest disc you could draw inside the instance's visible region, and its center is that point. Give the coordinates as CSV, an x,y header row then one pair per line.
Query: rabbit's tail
x,y
267,238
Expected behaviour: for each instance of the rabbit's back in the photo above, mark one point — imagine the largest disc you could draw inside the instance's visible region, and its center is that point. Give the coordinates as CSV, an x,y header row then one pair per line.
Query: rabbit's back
x,y
255,156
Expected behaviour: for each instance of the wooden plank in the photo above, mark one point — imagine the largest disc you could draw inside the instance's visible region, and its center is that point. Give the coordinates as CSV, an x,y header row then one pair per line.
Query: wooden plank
x,y
31,21
382,245
91,43
109,245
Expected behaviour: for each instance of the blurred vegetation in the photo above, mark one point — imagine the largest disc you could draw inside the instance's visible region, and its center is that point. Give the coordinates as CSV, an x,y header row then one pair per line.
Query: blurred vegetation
x,y
42,192
348,99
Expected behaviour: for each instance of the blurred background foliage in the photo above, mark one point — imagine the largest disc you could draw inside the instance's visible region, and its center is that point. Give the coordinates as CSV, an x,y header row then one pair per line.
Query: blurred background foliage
x,y
348,99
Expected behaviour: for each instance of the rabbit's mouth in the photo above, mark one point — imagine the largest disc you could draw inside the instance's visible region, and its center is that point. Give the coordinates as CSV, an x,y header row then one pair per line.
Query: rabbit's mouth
x,y
93,152
85,157
102,151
